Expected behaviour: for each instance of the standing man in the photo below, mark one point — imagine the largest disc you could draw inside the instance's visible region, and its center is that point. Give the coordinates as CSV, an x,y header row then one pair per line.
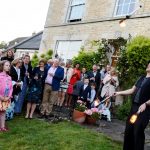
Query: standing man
x,y
134,133
53,75
95,77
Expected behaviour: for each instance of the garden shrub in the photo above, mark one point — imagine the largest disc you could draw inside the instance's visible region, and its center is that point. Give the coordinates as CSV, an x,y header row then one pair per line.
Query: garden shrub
x,y
96,55
35,59
122,111
133,60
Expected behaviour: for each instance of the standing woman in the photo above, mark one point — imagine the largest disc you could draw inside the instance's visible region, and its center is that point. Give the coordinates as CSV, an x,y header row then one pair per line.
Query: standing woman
x,y
36,87
75,77
9,56
15,73
6,89
26,73
68,71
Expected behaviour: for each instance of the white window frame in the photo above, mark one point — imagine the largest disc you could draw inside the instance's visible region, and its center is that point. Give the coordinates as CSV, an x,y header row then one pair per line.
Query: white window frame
x,y
70,11
57,44
127,14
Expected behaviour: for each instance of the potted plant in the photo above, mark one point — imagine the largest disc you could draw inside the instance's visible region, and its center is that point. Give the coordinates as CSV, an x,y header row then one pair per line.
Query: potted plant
x,y
79,112
92,115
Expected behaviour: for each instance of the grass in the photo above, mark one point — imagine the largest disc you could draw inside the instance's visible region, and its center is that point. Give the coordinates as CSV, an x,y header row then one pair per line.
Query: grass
x,y
39,135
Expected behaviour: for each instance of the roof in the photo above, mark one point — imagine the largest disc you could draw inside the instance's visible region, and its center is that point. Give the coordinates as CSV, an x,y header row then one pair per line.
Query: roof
x,y
17,40
32,43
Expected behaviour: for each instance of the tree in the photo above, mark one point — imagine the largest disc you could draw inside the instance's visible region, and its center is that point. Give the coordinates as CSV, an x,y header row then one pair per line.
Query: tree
x,y
3,45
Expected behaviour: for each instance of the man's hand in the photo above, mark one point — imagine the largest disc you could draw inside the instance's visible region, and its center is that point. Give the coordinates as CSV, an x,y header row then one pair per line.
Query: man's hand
x,y
142,108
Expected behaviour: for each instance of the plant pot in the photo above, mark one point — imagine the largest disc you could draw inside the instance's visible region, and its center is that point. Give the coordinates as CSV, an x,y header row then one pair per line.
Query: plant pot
x,y
78,116
90,120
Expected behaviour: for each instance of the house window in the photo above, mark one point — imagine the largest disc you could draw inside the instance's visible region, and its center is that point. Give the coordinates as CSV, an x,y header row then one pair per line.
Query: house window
x,y
68,49
125,7
76,10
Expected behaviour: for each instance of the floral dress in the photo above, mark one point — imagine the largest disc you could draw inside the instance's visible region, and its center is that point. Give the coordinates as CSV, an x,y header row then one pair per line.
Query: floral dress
x,y
6,89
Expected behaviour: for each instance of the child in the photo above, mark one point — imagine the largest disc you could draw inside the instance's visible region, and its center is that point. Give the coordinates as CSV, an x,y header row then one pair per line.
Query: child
x,y
105,109
5,92
93,92
85,93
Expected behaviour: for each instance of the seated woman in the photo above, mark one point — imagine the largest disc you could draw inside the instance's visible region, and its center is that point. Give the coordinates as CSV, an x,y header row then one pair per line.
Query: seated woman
x,y
35,90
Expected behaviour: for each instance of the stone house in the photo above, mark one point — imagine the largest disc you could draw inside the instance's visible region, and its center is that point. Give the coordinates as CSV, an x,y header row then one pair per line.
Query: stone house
x,y
71,24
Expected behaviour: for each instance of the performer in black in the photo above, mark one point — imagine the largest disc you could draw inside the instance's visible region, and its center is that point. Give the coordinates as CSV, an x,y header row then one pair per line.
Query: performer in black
x,y
134,133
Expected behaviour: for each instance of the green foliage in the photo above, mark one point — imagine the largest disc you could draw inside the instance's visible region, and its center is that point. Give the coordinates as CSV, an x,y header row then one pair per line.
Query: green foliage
x,y
88,56
123,110
97,55
42,55
35,59
3,45
48,54
133,61
80,106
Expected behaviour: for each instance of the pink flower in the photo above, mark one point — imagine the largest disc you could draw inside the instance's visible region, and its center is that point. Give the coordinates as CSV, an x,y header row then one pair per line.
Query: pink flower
x,y
88,112
94,110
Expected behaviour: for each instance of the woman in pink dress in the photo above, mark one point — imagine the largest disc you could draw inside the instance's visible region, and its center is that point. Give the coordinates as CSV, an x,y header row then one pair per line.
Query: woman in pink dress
x,y
6,89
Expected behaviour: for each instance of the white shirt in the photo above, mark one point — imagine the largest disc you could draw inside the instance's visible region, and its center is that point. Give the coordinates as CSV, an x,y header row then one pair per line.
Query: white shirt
x,y
49,78
85,86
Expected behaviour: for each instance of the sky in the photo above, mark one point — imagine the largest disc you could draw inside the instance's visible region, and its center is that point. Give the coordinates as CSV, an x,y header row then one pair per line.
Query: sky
x,y
20,18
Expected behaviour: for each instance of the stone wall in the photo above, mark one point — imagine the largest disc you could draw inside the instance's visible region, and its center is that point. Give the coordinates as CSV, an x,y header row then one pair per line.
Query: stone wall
x,y
98,22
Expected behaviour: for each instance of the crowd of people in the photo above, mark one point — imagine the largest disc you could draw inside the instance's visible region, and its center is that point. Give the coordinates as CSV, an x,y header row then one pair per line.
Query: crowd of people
x,y
51,83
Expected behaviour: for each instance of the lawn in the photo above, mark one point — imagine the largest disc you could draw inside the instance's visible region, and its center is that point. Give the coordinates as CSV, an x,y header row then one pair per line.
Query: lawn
x,y
39,135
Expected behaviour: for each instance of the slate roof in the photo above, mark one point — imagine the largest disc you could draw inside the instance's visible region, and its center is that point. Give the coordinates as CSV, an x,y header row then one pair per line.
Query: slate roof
x,y
31,43
17,40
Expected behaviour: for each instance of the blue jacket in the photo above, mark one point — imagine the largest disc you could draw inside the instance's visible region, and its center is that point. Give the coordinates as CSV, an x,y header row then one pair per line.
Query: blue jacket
x,y
58,76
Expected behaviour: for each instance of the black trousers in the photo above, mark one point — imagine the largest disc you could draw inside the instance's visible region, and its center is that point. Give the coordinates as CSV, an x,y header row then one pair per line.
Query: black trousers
x,y
134,138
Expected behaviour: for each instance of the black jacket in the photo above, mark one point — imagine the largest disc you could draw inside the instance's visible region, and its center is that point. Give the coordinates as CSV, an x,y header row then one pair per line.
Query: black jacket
x,y
85,93
10,59
97,78
23,71
14,77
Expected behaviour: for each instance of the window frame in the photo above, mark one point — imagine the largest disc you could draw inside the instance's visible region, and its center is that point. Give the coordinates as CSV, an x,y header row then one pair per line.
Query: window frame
x,y
128,13
71,5
57,45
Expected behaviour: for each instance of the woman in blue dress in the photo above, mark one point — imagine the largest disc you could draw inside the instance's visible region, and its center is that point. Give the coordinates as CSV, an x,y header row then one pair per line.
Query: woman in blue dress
x,y
35,91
